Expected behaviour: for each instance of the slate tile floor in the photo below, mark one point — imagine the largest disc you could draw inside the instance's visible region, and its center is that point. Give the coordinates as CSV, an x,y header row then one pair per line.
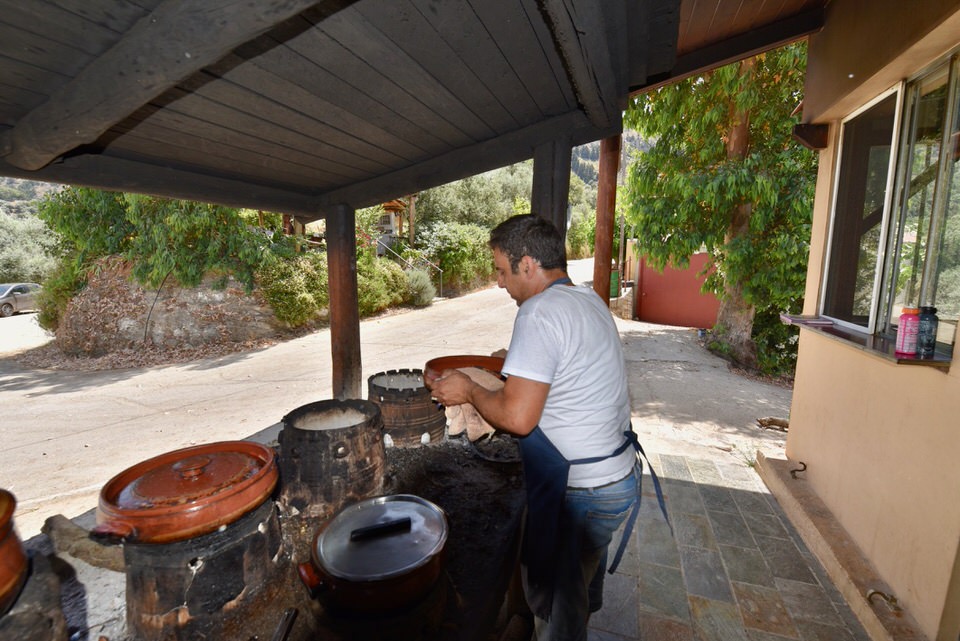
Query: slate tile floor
x,y
733,570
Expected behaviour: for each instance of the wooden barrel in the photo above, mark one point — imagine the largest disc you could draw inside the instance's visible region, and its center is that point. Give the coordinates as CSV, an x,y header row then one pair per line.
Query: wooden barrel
x,y
331,454
410,417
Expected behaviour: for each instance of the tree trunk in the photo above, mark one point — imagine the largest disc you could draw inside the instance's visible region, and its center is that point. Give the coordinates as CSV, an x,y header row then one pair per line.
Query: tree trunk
x,y
734,327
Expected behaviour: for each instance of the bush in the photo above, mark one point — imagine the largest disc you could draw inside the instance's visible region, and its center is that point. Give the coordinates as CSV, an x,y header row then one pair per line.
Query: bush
x,y
296,289
66,279
580,236
462,253
381,283
420,289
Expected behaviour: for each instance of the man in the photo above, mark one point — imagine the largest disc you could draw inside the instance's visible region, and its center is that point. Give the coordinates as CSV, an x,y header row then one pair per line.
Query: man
x,y
566,397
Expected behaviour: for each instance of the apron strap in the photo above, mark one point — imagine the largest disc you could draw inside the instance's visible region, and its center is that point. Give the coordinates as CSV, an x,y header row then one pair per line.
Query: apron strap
x,y
631,439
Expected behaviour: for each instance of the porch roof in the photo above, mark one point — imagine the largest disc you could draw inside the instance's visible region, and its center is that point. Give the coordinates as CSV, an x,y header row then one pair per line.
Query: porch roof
x,y
297,106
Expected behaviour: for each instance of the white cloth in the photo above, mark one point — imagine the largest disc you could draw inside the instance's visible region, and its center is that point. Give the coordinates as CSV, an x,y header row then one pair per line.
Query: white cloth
x,y
566,337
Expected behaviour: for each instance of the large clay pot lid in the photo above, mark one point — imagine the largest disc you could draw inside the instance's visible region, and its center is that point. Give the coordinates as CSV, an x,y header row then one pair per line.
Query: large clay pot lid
x,y
435,366
187,492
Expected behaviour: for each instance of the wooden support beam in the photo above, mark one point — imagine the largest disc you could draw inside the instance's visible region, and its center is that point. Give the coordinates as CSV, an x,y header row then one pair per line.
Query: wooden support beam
x,y
347,370
177,39
606,206
467,161
583,36
551,182
120,174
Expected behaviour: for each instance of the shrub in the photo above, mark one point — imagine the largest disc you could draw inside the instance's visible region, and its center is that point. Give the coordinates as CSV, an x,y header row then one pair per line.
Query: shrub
x,y
420,289
66,279
461,251
296,289
381,283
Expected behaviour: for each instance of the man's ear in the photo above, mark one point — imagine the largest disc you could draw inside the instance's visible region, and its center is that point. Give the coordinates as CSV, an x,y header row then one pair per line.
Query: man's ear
x,y
526,264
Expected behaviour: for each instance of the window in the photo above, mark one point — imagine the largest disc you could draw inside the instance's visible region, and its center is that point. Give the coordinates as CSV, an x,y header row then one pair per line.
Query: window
x,y
895,235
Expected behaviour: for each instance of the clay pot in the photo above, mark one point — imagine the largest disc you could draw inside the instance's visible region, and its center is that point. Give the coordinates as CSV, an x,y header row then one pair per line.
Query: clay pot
x,y
378,556
13,560
435,366
186,493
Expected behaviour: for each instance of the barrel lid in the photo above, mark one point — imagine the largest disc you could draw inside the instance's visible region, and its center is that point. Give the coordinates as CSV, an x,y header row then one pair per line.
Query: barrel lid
x,y
412,531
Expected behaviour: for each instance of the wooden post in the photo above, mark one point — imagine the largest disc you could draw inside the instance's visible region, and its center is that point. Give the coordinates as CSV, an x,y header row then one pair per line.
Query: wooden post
x,y
346,370
606,205
551,182
413,213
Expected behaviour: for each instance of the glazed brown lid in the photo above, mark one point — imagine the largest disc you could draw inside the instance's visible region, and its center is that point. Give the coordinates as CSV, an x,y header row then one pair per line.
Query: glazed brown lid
x,y
435,367
187,492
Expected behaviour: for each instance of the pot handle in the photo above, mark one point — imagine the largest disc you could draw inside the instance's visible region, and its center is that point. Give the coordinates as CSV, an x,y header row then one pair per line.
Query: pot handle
x,y
381,529
311,579
114,532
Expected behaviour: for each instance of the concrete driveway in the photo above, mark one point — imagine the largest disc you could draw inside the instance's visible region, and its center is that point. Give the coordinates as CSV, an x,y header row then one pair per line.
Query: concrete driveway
x,y
65,434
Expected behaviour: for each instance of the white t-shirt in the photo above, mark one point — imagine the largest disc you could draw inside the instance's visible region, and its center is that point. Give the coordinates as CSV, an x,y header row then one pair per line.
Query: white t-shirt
x,y
565,337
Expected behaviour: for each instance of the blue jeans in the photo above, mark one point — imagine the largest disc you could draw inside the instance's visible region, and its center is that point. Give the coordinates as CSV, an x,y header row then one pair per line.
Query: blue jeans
x,y
590,517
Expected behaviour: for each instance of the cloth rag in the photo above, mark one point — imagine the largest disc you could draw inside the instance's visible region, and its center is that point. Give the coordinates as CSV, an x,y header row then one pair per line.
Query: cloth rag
x,y
465,417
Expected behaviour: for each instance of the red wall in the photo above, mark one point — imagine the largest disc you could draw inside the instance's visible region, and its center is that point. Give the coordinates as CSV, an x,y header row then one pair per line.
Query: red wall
x,y
673,297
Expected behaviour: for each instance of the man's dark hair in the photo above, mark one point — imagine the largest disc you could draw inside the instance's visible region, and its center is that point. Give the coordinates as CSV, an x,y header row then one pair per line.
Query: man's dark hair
x,y
529,235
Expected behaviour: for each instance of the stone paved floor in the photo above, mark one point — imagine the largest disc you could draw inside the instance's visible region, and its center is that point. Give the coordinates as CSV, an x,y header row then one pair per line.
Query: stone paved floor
x,y
734,569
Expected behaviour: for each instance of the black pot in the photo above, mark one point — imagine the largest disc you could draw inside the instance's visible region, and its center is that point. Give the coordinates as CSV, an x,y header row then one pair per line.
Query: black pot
x,y
378,556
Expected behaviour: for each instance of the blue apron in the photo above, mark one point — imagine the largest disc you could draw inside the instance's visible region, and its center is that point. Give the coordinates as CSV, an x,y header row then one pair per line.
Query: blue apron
x,y
545,472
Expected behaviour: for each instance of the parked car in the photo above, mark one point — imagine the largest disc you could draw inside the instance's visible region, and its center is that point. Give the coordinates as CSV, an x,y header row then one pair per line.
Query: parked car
x,y
17,297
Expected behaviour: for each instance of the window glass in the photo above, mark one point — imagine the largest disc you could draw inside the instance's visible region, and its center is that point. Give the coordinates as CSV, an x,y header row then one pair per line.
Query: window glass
x,y
856,239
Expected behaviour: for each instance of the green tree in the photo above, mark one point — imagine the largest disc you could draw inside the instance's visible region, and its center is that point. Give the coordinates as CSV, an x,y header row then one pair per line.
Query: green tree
x,y
723,173
27,249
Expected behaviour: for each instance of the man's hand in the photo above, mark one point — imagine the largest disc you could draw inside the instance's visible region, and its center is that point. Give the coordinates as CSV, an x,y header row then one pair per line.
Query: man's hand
x,y
451,388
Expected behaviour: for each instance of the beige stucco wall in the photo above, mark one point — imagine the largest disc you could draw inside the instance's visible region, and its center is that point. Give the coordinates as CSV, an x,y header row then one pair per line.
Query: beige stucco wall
x,y
881,440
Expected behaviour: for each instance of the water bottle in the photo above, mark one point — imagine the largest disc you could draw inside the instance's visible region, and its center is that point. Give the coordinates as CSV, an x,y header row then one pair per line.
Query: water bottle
x,y
927,332
907,332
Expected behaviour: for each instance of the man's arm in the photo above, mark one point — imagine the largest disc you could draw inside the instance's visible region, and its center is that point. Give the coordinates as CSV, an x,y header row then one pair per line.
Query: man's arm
x,y
514,408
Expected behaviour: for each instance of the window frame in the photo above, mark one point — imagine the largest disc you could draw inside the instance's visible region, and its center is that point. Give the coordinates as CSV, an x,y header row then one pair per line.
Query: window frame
x,y
878,333
892,163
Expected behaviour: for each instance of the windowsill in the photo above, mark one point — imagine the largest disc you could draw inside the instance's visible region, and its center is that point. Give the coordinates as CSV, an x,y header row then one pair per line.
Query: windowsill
x,y
878,346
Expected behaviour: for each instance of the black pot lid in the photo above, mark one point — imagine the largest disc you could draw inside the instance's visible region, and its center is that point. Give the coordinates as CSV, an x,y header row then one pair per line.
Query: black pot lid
x,y
382,537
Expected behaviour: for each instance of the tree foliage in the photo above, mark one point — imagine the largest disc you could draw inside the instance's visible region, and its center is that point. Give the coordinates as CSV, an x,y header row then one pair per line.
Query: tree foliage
x,y
27,249
724,174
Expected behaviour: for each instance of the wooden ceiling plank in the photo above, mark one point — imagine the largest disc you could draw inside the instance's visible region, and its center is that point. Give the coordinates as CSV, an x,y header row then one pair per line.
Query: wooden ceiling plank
x,y
273,122
467,161
408,29
510,27
244,144
157,151
181,149
89,36
751,43
330,115
17,44
371,45
284,62
464,32
116,15
581,37
368,83
174,41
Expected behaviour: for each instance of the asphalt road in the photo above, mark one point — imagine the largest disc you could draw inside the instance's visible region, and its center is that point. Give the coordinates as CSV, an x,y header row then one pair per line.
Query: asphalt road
x,y
65,434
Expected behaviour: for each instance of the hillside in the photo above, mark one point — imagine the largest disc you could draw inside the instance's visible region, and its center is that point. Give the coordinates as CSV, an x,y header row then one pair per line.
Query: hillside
x,y
585,159
18,197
